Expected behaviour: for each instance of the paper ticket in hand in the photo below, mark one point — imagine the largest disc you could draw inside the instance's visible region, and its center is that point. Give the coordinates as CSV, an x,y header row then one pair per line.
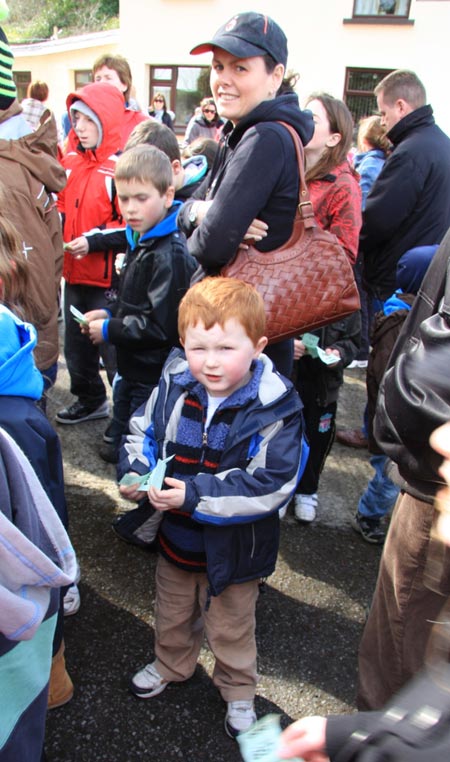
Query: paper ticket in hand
x,y
311,343
154,478
79,317
261,741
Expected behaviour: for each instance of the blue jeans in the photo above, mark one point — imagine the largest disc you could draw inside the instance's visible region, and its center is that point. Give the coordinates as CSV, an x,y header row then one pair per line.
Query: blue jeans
x,y
381,492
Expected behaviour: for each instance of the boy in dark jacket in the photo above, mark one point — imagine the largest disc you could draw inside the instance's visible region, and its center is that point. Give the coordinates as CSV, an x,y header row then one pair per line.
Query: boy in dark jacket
x,y
142,321
233,427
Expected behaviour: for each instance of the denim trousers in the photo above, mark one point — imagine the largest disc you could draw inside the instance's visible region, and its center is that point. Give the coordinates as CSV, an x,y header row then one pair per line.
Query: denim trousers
x,y
381,493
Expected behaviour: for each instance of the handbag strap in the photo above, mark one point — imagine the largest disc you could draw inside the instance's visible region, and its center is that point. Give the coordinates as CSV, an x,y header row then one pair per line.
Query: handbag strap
x,y
305,207
445,305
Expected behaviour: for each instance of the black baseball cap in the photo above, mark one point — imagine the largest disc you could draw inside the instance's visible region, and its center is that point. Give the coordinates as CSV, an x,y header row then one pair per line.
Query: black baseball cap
x,y
247,35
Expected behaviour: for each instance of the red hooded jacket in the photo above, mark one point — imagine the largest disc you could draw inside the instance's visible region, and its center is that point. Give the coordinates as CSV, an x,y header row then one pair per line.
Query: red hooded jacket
x,y
87,202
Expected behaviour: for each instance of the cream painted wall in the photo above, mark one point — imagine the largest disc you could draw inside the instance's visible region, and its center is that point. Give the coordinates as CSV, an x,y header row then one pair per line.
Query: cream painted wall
x,y
55,62
320,45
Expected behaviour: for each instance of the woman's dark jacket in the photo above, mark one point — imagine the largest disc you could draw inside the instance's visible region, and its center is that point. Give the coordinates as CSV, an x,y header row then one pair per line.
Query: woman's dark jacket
x,y
255,175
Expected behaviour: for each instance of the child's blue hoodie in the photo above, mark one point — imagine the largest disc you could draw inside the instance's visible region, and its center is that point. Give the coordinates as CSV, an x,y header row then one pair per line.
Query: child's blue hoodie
x,y
19,376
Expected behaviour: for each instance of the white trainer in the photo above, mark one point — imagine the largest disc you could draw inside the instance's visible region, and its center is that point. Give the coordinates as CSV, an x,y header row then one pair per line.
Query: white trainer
x,y
305,507
240,717
148,682
71,601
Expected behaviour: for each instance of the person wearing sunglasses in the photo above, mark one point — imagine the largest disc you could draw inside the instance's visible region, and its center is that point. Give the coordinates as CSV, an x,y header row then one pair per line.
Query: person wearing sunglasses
x,y
207,124
158,111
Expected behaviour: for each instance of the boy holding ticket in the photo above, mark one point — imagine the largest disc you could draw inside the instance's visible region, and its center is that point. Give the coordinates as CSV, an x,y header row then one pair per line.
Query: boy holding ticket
x,y
234,428
142,321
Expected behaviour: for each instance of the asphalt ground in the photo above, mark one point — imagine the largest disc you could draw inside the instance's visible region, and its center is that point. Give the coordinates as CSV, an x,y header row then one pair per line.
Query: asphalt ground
x,y
309,619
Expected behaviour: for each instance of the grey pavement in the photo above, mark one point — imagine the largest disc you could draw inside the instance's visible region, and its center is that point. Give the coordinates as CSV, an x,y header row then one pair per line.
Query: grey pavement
x,y
309,620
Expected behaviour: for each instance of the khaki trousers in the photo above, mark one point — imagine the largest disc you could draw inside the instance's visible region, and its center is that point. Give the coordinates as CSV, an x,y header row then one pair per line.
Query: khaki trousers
x,y
229,625
403,610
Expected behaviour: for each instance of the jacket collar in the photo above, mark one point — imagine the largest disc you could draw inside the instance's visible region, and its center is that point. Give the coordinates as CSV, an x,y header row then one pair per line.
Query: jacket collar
x,y
420,117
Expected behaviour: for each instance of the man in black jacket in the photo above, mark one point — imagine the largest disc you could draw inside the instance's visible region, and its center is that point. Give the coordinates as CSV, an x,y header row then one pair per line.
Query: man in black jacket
x,y
404,606
409,204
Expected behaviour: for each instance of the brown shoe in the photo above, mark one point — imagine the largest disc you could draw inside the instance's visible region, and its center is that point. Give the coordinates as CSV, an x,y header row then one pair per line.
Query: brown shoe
x,y
352,438
60,689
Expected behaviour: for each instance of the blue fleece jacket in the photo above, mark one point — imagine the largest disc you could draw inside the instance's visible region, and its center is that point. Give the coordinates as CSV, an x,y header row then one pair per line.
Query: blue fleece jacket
x,y
18,373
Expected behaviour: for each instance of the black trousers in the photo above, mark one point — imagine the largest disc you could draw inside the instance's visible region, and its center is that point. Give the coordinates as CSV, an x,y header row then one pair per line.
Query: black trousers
x,y
320,425
82,356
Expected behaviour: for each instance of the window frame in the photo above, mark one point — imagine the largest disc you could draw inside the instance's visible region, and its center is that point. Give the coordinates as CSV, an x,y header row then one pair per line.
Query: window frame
x,y
388,16
379,18
82,77
168,86
352,92
22,78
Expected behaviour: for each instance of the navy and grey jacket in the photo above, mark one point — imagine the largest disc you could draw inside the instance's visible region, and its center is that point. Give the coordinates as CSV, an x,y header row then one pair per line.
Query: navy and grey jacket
x,y
409,204
154,277
258,469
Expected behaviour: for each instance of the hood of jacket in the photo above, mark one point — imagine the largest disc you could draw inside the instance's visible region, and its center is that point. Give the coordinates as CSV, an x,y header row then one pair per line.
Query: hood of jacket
x,y
19,376
374,153
195,169
284,108
269,390
165,227
37,153
420,117
412,266
107,103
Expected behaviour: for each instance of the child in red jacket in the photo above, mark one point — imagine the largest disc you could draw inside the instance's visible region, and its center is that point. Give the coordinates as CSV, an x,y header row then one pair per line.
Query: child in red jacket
x,y
88,202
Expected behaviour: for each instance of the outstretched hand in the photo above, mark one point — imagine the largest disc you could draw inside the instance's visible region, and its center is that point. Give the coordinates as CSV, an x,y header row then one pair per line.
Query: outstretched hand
x,y
166,499
305,738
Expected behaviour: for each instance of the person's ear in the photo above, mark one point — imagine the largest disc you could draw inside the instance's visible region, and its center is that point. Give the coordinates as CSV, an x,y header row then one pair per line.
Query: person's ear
x,y
403,107
260,345
176,166
277,78
334,139
170,195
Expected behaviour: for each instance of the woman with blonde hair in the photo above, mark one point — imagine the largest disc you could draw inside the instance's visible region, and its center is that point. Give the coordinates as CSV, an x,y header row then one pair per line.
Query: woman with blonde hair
x,y
373,150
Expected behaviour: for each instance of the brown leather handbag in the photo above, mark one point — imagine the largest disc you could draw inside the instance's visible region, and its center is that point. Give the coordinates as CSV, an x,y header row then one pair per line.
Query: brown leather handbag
x,y
306,283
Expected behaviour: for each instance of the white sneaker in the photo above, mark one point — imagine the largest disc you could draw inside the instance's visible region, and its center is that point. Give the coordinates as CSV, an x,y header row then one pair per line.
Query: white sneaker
x,y
305,507
357,364
240,717
71,601
148,682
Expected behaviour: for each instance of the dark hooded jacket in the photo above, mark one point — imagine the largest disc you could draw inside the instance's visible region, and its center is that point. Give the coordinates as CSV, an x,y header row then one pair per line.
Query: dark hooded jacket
x,y
87,201
255,174
144,318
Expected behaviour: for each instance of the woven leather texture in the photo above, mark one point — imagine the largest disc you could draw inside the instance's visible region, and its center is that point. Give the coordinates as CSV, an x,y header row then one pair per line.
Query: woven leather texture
x,y
306,283
304,286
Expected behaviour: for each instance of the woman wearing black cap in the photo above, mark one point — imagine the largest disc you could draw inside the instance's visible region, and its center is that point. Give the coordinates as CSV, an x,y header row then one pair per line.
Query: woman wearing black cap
x,y
252,191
